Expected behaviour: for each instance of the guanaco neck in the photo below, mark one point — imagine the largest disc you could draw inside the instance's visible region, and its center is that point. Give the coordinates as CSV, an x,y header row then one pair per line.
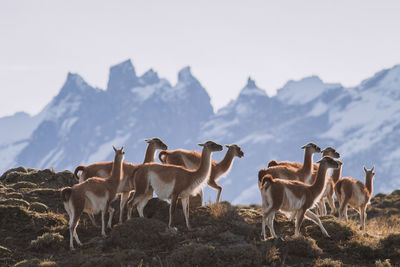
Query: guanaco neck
x,y
224,165
318,186
205,165
150,154
307,165
368,184
336,174
117,170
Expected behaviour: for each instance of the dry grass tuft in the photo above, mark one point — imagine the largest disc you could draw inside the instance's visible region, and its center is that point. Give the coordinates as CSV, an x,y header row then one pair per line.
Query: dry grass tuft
x,y
385,263
47,263
47,241
218,210
327,263
301,246
383,226
28,263
273,254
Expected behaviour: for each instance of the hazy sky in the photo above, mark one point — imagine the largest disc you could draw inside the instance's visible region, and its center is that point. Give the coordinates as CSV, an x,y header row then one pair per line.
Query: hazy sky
x,y
224,42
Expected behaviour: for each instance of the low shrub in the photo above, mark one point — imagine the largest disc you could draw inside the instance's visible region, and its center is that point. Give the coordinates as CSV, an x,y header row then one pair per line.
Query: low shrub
x,y
47,241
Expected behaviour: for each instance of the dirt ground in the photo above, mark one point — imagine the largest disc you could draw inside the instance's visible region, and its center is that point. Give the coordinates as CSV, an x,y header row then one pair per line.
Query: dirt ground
x,y
34,232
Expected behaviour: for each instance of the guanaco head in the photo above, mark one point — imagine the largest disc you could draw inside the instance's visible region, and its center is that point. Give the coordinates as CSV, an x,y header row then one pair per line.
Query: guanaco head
x,y
313,148
119,153
330,152
210,145
329,162
236,150
369,174
157,143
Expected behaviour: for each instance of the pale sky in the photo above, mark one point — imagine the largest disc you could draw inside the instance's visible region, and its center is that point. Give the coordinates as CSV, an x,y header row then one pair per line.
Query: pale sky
x,y
224,42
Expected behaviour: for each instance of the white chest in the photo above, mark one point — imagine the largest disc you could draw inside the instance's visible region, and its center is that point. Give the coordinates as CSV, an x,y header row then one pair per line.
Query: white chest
x,y
161,188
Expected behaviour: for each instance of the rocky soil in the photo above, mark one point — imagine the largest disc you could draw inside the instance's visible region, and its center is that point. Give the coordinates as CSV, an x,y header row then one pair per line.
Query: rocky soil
x,y
34,232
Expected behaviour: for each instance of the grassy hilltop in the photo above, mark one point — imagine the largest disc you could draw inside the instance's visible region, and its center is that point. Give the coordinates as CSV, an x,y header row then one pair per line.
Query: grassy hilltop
x,y
34,232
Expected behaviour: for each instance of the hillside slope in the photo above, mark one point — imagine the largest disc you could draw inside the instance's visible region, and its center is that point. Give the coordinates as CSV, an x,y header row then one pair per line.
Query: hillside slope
x,y
34,232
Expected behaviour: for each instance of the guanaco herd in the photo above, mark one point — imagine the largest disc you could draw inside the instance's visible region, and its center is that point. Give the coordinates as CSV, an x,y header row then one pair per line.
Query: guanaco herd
x,y
290,187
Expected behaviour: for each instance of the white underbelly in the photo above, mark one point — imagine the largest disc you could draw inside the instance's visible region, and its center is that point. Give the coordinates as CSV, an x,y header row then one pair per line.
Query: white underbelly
x,y
291,202
162,189
93,203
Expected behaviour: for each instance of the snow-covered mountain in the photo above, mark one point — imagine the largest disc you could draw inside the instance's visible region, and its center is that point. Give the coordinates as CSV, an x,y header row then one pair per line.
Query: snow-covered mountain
x,y
81,123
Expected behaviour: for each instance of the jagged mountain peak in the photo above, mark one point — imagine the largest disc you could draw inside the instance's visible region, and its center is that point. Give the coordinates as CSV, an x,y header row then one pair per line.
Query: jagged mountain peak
x,y
75,79
73,84
251,83
122,77
251,89
125,67
185,75
150,77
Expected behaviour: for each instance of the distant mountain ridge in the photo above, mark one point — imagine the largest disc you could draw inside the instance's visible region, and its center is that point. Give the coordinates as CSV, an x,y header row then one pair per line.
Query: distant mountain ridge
x,y
82,122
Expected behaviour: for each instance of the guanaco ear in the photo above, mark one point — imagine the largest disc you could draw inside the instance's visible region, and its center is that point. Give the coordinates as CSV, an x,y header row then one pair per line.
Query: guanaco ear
x,y
201,144
365,169
373,167
122,149
228,146
114,148
147,140
303,147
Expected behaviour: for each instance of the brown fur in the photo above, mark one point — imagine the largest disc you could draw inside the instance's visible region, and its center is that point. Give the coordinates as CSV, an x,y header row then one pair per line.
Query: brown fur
x,y
103,169
66,193
293,196
289,172
329,191
218,169
171,182
92,196
328,151
352,192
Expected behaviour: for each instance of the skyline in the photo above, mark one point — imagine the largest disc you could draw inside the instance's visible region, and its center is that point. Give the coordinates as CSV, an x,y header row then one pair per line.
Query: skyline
x,y
224,43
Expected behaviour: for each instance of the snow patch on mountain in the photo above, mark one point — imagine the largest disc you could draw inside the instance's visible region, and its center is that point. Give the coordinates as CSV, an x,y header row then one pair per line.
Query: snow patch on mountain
x,y
218,128
319,109
67,124
9,153
105,150
51,159
363,117
147,91
67,106
303,91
